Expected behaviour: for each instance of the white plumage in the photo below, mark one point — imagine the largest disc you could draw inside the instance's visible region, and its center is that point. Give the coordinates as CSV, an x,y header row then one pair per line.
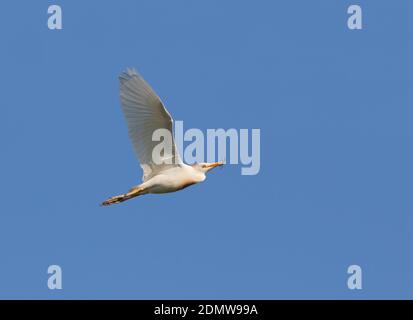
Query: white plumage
x,y
145,113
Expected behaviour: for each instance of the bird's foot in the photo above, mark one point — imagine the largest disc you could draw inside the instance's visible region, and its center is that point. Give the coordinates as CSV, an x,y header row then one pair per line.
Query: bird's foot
x,y
113,200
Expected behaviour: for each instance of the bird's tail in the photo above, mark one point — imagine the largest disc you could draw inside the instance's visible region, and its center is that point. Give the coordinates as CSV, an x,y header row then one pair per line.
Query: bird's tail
x,y
134,192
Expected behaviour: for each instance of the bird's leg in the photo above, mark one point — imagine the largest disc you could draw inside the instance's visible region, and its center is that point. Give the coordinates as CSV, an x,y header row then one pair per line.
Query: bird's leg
x,y
134,192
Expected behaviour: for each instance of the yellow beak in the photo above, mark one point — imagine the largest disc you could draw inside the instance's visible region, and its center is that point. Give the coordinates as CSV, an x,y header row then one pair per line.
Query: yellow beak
x,y
214,164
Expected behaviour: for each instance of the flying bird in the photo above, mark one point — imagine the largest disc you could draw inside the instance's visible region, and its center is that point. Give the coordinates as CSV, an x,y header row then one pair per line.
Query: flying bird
x,y
145,113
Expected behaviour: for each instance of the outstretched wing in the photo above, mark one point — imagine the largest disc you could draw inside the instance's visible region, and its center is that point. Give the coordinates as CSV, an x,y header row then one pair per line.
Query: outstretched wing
x,y
145,113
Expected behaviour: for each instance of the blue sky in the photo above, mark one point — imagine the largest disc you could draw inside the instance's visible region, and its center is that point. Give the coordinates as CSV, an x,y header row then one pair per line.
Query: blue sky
x,y
335,111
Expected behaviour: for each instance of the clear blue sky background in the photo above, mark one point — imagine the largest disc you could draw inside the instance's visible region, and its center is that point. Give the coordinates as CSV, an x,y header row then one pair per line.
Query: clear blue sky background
x,y
335,188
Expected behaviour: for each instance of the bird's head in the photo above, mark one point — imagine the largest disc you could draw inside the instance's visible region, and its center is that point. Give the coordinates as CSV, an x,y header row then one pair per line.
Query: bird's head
x,y
204,167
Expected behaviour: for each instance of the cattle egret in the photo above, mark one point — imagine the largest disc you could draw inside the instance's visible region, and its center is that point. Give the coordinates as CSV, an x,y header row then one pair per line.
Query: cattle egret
x,y
145,113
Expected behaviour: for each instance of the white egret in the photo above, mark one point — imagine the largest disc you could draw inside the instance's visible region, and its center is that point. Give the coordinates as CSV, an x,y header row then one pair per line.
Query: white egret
x,y
145,113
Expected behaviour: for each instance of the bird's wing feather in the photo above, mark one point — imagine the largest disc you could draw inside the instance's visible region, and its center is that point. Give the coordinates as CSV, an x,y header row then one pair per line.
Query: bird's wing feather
x,y
144,113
